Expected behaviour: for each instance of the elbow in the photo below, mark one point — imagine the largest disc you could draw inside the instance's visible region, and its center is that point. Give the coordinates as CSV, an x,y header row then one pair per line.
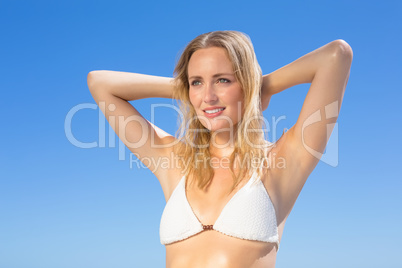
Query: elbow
x,y
93,79
341,50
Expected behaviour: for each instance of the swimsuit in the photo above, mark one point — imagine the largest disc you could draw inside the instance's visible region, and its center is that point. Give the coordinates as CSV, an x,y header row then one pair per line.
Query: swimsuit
x,y
249,215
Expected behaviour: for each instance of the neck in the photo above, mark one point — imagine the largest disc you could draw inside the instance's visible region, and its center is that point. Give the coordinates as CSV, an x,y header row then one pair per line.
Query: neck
x,y
222,143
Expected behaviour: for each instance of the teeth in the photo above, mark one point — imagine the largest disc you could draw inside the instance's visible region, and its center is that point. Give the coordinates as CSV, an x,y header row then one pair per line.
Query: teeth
x,y
214,111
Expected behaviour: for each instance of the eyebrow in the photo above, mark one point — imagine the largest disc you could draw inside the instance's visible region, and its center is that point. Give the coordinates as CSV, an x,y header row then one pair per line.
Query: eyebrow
x,y
214,76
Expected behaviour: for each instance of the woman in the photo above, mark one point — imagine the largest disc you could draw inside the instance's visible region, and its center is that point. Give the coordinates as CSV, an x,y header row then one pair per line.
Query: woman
x,y
228,192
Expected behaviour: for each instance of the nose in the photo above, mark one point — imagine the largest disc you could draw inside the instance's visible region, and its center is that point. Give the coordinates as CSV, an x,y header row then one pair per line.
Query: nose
x,y
209,94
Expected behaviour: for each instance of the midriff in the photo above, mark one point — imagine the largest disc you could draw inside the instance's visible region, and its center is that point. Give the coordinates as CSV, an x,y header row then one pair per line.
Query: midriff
x,y
211,249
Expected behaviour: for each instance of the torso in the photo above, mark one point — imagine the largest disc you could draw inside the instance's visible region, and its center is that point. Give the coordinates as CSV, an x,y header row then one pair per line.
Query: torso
x,y
214,249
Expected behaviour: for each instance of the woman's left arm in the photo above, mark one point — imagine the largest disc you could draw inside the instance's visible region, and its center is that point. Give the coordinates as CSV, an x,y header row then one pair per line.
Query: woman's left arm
x,y
303,70
327,69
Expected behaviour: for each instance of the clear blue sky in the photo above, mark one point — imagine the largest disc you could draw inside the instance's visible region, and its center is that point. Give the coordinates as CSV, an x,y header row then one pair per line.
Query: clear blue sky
x,y
65,206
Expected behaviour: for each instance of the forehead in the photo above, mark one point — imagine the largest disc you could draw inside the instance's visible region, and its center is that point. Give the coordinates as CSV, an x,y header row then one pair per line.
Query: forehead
x,y
210,60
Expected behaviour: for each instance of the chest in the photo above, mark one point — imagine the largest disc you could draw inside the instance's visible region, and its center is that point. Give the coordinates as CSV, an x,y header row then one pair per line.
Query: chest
x,y
207,204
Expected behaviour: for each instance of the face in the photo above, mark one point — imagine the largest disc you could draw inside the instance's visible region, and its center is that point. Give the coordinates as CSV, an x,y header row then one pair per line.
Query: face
x,y
214,92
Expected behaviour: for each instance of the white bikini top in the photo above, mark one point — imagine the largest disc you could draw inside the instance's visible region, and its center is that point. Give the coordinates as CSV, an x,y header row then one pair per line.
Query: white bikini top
x,y
249,215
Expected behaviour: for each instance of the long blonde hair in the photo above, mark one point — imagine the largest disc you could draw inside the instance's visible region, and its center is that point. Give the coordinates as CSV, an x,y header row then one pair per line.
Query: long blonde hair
x,y
248,73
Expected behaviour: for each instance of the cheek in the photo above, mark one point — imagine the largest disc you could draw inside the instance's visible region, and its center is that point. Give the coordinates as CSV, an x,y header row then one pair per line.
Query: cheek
x,y
234,96
240,96
237,100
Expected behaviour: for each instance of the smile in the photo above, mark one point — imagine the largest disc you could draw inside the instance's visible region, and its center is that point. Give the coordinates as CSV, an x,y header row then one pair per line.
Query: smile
x,y
213,112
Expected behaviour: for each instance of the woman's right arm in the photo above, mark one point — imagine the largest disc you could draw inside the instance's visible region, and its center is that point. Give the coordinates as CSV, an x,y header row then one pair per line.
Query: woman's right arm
x,y
112,91
130,86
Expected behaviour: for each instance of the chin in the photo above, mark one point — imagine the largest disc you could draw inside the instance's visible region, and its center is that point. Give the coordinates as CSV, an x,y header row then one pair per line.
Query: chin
x,y
219,128
216,125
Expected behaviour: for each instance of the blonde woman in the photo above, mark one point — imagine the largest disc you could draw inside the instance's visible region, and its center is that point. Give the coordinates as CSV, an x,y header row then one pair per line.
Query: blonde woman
x,y
228,190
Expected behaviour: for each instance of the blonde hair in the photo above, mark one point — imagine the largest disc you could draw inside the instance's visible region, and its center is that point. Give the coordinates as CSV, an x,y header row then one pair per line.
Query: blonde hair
x,y
248,73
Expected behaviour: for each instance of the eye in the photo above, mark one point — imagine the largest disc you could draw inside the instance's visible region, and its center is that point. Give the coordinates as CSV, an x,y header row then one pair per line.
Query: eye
x,y
223,80
195,83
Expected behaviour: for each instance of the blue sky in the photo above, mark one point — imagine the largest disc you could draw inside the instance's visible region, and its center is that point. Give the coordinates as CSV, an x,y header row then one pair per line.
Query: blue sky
x,y
65,206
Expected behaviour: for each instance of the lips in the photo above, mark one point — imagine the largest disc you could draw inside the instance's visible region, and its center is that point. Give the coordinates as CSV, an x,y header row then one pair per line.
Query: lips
x,y
213,111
